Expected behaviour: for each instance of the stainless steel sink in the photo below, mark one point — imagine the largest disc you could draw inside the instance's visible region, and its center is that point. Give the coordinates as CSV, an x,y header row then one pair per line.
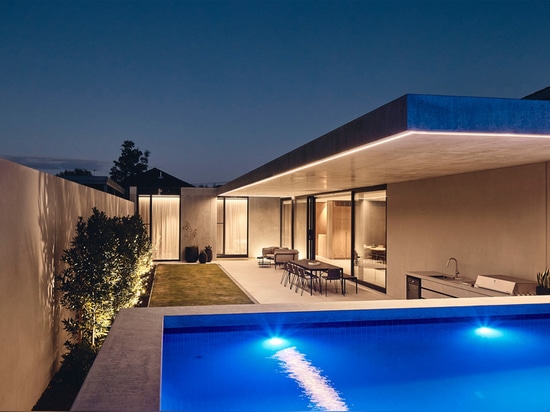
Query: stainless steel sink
x,y
460,280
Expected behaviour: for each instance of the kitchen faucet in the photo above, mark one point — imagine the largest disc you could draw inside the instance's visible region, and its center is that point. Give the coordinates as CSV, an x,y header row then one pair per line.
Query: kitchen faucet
x,y
456,266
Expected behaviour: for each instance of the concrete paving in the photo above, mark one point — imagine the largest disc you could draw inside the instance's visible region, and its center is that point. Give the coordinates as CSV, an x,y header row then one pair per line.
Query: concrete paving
x,y
263,285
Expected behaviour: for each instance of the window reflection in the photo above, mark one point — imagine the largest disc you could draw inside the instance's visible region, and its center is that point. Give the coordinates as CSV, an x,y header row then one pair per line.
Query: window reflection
x,y
300,226
286,223
333,229
370,238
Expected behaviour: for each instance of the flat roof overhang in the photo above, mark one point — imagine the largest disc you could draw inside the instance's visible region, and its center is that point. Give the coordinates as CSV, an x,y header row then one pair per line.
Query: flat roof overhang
x,y
414,137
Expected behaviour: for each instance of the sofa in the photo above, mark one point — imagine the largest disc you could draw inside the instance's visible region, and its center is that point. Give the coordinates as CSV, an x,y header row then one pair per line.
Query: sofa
x,y
279,255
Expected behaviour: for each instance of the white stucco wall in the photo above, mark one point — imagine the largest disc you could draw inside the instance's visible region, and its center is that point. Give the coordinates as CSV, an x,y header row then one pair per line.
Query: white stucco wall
x,y
38,213
264,224
198,207
493,222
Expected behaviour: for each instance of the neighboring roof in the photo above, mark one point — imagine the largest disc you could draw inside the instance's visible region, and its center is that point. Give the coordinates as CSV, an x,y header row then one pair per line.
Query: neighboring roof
x,y
157,179
543,94
103,183
413,137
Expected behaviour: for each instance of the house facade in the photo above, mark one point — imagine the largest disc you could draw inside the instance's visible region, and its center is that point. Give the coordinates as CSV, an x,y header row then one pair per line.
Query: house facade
x,y
409,185
403,188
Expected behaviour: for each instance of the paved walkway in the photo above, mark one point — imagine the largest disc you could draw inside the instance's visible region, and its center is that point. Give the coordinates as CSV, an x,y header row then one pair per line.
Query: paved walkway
x,y
264,285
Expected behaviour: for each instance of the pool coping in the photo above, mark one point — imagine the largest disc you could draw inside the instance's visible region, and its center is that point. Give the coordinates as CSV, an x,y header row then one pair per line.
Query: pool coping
x,y
126,373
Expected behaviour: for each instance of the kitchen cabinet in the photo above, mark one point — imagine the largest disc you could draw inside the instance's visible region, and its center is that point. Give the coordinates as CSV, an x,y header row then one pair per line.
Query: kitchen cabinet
x,y
433,285
430,294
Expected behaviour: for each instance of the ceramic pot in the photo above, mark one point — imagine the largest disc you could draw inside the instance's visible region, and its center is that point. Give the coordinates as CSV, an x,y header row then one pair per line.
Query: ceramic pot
x,y
202,257
191,254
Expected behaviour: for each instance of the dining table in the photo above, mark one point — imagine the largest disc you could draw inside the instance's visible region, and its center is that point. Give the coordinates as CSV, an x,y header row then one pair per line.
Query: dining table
x,y
314,268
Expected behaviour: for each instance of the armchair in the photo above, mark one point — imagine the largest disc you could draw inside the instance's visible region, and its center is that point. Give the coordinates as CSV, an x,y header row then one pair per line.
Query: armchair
x,y
279,255
283,255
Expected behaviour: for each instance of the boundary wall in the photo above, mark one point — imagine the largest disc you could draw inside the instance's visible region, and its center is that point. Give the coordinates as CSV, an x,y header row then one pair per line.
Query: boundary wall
x,y
38,214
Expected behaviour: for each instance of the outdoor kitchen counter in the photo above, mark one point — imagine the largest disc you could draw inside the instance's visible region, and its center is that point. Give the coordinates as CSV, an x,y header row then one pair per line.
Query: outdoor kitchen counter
x,y
442,285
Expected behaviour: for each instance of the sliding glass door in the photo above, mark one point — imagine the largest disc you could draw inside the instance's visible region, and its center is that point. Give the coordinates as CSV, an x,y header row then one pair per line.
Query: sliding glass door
x,y
347,229
370,238
286,223
300,227
332,229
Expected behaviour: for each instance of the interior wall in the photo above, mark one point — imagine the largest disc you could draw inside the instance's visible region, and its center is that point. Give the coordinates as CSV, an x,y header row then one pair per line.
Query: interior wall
x,y
376,222
339,230
37,220
321,225
492,222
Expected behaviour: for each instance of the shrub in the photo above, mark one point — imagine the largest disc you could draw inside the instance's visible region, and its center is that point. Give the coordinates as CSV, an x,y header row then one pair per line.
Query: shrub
x,y
107,264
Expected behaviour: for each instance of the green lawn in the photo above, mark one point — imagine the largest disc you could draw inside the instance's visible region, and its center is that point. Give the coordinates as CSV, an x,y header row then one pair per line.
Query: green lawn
x,y
194,285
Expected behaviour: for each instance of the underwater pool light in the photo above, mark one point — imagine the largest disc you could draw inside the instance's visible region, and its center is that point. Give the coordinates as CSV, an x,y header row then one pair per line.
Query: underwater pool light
x,y
487,332
275,343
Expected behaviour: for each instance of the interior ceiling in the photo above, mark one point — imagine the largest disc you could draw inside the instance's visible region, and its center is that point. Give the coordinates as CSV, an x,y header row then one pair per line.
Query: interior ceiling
x,y
404,157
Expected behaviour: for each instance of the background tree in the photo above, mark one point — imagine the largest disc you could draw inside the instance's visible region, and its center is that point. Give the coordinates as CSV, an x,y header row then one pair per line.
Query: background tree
x,y
108,263
75,172
132,162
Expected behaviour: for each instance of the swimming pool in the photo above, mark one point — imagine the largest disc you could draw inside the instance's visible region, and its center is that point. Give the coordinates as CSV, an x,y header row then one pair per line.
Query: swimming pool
x,y
483,358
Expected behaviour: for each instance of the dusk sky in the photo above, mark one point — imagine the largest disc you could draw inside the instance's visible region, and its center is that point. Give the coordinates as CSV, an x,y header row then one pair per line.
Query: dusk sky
x,y
214,89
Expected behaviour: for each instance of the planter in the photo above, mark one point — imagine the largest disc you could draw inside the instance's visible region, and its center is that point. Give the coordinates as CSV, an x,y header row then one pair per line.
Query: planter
x,y
202,257
541,290
191,254
208,255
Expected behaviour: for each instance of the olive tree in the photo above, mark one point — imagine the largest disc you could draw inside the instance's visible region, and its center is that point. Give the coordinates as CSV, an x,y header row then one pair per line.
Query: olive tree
x,y
107,264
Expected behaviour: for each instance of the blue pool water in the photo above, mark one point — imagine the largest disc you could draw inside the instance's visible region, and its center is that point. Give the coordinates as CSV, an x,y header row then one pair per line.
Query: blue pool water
x,y
452,359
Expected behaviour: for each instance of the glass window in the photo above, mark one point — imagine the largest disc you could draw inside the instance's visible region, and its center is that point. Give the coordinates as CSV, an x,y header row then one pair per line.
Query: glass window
x,y
286,223
370,238
300,227
219,226
162,216
233,226
333,229
236,227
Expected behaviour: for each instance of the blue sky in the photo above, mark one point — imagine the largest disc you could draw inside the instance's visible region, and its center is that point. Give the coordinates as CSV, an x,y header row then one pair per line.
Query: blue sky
x,y
214,89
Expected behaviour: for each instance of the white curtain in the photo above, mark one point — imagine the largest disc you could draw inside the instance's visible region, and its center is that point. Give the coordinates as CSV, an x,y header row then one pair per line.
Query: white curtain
x,y
220,226
165,227
236,226
144,209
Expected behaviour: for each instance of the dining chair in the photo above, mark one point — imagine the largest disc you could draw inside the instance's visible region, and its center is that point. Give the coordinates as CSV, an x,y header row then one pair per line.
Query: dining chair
x,y
290,268
330,275
292,275
305,279
346,277
285,277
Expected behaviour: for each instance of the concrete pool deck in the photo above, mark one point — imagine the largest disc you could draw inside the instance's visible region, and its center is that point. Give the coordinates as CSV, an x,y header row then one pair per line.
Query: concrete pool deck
x,y
126,374
263,285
